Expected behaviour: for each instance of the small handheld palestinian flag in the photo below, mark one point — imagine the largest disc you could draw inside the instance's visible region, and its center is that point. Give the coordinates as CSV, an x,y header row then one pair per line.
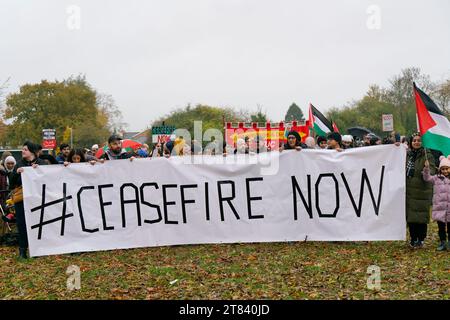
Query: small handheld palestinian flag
x,y
434,126
318,121
335,127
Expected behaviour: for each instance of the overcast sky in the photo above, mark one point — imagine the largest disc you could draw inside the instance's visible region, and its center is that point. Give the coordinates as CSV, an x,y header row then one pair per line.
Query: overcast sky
x,y
153,56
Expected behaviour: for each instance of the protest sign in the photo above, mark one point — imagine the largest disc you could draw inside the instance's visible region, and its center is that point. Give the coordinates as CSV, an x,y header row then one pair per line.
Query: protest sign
x,y
313,195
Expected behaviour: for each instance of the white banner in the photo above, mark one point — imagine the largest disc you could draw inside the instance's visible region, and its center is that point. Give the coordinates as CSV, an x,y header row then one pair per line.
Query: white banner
x,y
308,195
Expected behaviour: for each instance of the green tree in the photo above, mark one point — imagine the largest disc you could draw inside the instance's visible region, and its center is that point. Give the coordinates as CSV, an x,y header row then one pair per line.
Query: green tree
x,y
3,126
57,105
259,116
294,113
397,99
211,117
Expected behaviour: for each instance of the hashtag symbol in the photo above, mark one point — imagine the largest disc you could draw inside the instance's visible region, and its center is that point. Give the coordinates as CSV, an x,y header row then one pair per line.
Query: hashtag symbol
x,y
44,205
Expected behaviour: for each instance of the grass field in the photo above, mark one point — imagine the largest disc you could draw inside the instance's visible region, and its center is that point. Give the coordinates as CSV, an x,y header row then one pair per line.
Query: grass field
x,y
300,270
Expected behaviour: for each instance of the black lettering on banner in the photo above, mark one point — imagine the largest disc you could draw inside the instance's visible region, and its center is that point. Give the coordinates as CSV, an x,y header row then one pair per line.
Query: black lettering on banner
x,y
167,203
83,226
365,178
336,186
104,204
184,201
42,207
207,201
135,201
295,189
249,198
154,184
226,199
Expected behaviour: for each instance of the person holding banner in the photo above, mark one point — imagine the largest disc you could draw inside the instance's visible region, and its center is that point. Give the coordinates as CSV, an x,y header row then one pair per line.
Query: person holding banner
x,y
347,141
65,150
115,151
334,140
294,141
419,192
77,156
311,143
322,142
29,159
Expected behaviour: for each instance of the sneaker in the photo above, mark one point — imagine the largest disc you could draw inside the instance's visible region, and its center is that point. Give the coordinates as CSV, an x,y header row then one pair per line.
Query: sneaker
x,y
442,246
419,244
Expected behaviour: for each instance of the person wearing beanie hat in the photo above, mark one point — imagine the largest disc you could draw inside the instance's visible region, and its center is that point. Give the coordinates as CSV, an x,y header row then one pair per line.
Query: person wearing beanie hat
x,y
294,141
322,142
94,149
29,159
347,141
334,140
115,150
444,163
441,199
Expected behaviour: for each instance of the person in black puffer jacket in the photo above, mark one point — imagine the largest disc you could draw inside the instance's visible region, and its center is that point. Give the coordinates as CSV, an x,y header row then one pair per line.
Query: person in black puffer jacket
x,y
29,159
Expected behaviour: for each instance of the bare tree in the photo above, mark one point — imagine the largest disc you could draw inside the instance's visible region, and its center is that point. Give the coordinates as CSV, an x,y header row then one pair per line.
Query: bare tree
x,y
442,96
108,107
3,87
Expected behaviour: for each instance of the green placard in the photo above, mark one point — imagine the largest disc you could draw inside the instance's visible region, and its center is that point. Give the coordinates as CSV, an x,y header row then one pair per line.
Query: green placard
x,y
163,130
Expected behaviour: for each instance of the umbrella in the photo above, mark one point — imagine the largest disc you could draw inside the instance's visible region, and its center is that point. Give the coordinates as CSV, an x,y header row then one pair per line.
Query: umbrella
x,y
358,131
127,144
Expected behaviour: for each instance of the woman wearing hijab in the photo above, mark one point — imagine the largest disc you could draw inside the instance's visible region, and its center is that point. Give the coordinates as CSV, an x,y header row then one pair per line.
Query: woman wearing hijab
x,y
419,193
6,169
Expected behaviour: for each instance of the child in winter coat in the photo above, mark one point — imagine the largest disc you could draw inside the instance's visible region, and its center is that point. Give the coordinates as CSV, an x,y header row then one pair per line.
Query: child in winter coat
x,y
441,199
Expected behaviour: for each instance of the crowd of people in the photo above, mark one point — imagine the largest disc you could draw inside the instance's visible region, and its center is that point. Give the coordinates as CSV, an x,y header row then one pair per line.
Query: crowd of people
x,y
427,172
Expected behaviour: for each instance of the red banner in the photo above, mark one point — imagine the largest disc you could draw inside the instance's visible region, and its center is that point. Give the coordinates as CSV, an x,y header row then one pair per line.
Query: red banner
x,y
49,144
272,135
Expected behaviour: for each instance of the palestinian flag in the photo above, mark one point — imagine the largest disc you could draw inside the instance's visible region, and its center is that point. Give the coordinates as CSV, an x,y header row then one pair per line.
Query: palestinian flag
x,y
318,121
434,127
335,127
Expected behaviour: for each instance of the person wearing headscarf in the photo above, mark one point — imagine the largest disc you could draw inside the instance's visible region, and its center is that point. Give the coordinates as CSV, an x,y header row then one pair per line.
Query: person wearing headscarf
x,y
311,143
347,141
9,163
419,193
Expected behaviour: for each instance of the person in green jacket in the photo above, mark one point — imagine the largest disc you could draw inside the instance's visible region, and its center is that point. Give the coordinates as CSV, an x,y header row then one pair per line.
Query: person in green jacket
x,y
419,193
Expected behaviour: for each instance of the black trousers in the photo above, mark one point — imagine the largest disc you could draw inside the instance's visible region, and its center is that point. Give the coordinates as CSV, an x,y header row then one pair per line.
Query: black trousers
x,y
21,225
441,231
418,231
